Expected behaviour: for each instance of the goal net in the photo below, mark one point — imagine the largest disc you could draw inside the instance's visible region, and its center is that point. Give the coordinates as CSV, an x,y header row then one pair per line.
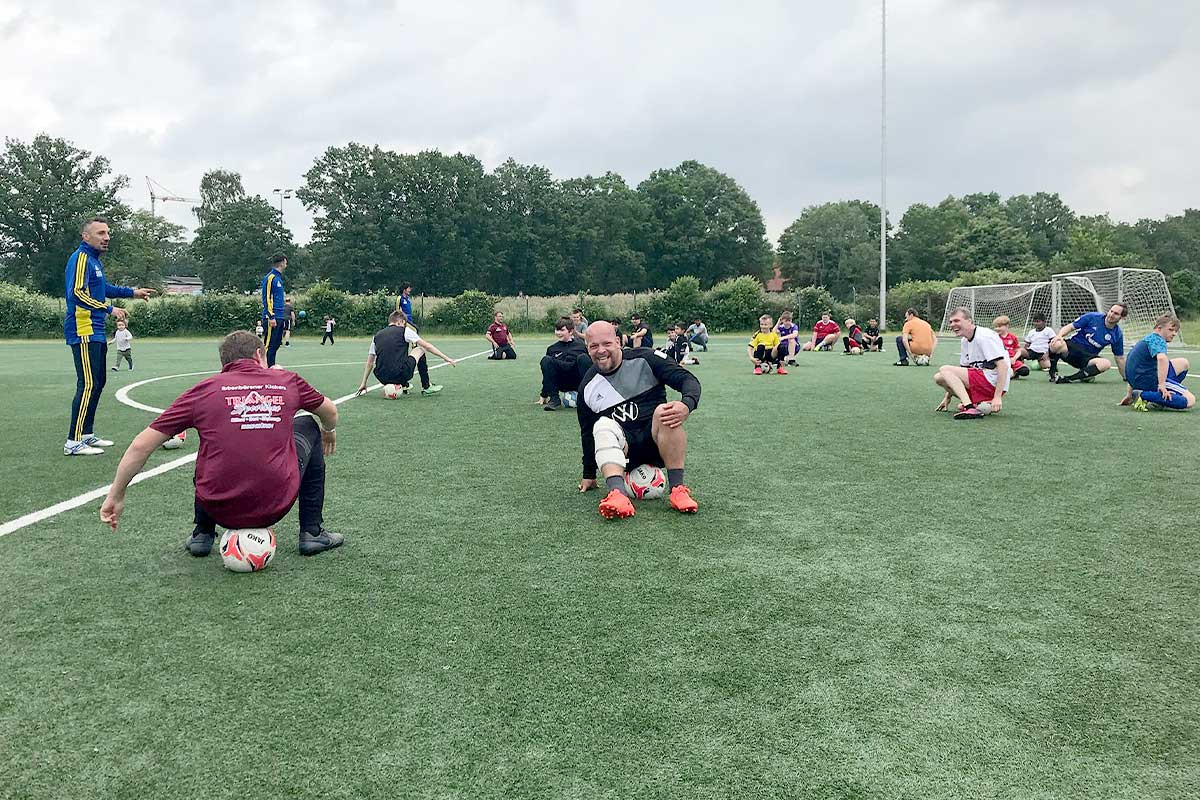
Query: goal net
x,y
1065,296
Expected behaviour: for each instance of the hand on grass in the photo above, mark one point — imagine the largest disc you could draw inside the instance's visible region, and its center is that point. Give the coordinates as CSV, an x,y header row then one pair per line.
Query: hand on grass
x,y
110,512
944,405
362,389
587,484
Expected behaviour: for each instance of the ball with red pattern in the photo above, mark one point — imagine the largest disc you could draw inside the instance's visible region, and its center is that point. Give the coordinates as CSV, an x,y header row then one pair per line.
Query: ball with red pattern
x,y
248,550
646,482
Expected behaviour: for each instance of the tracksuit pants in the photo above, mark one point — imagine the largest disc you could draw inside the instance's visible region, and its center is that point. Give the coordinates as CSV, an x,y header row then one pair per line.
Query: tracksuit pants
x,y
90,377
272,338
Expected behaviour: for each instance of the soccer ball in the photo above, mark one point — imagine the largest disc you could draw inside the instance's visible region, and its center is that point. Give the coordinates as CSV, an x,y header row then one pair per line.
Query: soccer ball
x,y
247,550
922,361
767,366
391,390
301,314
856,351
646,482
985,407
570,399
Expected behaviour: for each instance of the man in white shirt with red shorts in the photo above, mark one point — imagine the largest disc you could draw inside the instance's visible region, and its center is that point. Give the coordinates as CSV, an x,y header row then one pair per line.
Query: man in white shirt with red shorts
x,y
981,379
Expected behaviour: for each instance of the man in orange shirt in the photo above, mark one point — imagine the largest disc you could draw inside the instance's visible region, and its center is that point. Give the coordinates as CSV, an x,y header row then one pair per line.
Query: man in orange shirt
x,y
915,337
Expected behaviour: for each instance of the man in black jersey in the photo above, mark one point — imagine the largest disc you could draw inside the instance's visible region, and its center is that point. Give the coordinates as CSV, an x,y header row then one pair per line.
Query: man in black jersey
x,y
625,419
563,365
397,352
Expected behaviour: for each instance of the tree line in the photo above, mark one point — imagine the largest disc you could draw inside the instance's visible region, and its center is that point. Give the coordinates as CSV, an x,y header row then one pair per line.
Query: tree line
x,y
446,224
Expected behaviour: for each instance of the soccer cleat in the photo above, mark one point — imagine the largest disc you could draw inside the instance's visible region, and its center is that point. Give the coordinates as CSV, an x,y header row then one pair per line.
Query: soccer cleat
x,y
553,403
781,370
758,371
432,390
616,505
313,543
900,364
1140,405
114,369
682,501
968,413
81,449
92,440
200,543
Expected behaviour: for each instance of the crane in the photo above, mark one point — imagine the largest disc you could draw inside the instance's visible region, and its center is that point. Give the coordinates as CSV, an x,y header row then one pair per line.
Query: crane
x,y
164,194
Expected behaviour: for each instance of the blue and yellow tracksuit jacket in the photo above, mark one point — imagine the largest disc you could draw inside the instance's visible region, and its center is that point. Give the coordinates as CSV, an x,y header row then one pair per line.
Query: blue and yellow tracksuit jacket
x,y
271,290
87,296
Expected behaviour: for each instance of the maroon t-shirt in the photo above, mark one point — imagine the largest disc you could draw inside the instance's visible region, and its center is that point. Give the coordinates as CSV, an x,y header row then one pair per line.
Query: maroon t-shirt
x,y
499,333
246,471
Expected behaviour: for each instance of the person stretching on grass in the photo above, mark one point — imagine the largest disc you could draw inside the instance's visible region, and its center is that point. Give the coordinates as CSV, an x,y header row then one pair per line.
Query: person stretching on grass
x,y
915,337
398,351
983,372
1037,343
1090,334
765,349
256,456
563,365
1156,381
624,419
824,334
789,338
500,339
1011,346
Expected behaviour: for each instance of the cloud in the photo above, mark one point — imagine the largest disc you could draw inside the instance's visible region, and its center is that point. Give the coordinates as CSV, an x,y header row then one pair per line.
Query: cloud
x,y
1093,100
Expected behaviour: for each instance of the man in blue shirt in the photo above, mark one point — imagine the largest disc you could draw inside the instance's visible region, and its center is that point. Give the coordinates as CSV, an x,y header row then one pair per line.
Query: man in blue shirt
x,y
274,307
87,294
404,302
1154,379
1090,334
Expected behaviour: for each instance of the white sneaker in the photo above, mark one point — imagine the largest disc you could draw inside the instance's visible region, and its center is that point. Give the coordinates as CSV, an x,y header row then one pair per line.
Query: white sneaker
x,y
174,443
92,440
81,449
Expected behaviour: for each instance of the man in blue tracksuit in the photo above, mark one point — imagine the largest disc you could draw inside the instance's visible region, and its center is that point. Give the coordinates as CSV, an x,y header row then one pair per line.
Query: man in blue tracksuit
x,y
274,308
87,294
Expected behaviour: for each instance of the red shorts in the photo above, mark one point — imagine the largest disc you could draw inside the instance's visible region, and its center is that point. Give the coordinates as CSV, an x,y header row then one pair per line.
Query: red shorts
x,y
979,388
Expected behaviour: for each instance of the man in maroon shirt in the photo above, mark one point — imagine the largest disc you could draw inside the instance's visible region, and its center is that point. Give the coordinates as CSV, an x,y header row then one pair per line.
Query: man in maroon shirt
x,y
254,458
498,335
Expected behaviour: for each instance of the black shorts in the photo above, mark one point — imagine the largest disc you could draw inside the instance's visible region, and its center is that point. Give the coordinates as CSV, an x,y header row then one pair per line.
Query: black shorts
x,y
1076,356
642,449
403,377
1034,355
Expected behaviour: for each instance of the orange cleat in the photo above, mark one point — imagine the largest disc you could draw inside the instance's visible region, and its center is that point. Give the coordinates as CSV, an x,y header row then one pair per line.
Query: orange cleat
x,y
681,500
781,370
616,505
758,370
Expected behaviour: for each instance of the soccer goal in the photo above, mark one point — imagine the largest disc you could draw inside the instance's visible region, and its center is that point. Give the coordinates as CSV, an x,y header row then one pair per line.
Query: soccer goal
x,y
1065,296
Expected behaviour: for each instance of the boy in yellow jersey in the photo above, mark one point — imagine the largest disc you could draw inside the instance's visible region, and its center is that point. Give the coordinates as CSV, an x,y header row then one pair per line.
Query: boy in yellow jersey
x,y
765,350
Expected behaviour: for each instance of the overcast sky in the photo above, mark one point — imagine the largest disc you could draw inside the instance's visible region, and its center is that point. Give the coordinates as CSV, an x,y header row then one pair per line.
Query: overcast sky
x,y
1099,101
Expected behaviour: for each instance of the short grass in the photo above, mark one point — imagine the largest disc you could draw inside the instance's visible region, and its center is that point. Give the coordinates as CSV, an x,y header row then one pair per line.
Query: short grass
x,y
874,601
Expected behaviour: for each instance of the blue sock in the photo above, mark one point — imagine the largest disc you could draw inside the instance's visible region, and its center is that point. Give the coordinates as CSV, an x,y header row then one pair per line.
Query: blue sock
x,y
1177,401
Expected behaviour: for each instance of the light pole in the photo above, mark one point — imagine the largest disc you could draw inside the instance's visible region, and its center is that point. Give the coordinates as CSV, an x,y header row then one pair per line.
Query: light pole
x,y
883,170
284,194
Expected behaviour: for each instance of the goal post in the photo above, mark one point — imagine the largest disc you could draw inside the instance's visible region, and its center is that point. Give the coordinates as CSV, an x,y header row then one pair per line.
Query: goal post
x,y
1067,295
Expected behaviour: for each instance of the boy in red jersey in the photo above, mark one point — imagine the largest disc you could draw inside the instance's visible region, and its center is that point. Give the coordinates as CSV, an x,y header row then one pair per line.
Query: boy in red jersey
x,y
825,333
1011,344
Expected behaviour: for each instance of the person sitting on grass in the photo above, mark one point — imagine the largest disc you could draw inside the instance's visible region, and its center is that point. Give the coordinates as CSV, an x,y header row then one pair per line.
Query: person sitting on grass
x,y
764,350
697,334
398,351
872,336
854,338
256,456
1156,381
982,376
1089,334
789,338
825,333
682,347
1011,346
640,335
625,418
915,337
500,339
563,365
1037,342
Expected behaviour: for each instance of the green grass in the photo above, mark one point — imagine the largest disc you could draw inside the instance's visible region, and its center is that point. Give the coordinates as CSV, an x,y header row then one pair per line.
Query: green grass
x,y
1004,609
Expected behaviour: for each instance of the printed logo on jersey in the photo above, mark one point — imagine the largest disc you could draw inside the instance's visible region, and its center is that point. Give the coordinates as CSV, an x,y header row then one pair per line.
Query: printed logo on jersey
x,y
254,410
627,412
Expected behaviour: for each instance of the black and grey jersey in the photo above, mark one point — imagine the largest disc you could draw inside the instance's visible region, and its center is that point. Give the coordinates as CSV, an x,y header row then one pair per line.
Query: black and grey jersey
x,y
629,394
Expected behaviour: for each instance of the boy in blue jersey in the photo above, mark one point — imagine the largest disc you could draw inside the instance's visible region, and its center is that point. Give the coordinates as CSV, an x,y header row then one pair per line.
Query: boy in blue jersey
x,y
1090,334
87,294
404,301
1154,379
274,307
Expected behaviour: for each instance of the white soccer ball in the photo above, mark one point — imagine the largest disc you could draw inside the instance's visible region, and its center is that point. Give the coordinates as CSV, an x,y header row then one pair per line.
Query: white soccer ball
x,y
856,351
391,391
174,443
247,550
985,407
570,399
922,361
646,482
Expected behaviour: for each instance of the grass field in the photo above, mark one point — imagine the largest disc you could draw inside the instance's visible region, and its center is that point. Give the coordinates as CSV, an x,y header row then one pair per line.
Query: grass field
x,y
874,601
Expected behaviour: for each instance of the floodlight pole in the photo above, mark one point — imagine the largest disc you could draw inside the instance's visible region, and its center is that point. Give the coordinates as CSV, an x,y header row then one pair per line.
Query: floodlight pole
x,y
883,170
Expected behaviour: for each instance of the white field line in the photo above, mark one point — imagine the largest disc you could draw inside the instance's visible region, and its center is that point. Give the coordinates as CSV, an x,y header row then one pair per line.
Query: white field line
x,y
123,396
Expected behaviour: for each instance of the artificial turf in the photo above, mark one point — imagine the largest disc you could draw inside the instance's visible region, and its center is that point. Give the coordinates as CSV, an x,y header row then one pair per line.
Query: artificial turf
x,y
874,601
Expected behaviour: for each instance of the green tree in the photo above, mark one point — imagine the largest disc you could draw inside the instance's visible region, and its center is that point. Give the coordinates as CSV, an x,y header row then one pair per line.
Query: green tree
x,y
234,245
47,188
529,230
1045,219
835,245
1097,243
918,250
607,226
218,188
1174,242
990,241
144,249
704,224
